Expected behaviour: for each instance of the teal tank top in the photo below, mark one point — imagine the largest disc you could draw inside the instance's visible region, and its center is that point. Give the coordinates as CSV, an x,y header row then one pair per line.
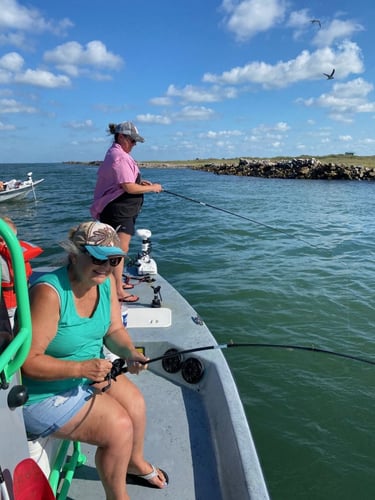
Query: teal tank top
x,y
77,338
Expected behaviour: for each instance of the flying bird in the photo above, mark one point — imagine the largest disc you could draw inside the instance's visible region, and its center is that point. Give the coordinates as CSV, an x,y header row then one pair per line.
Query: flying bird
x,y
330,77
316,21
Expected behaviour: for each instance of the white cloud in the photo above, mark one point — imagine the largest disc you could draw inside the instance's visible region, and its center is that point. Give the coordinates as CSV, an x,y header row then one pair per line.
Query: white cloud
x,y
345,100
190,93
72,57
345,138
281,126
301,23
11,65
98,140
14,39
346,58
14,16
195,113
8,106
299,19
42,79
11,62
86,124
6,127
336,30
221,133
150,118
325,33
248,17
278,127
161,101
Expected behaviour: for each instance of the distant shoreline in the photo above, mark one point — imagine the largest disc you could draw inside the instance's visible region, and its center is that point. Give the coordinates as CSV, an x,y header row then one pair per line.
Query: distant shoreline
x,y
347,159
344,159
148,164
336,167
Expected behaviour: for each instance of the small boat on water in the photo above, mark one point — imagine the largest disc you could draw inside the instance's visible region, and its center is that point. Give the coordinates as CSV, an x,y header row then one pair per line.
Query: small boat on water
x,y
197,429
18,190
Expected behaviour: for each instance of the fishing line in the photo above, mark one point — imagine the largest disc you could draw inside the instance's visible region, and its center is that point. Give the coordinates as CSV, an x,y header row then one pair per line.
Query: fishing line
x,y
240,217
276,346
119,364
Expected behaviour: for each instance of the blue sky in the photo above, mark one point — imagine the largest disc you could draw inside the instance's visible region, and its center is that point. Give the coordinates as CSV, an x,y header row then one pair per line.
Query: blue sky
x,y
199,78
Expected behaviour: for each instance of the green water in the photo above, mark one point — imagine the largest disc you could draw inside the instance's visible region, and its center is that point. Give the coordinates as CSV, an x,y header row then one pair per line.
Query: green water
x,y
309,281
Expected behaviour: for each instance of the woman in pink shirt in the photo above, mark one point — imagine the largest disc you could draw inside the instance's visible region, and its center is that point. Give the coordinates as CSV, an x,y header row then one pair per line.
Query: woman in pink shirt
x,y
119,191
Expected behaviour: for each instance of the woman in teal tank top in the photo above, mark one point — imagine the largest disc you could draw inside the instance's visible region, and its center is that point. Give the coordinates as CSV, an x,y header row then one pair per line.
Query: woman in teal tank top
x,y
75,311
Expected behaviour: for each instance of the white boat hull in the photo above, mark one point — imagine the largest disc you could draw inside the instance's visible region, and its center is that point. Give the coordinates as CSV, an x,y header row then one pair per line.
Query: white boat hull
x,y
20,192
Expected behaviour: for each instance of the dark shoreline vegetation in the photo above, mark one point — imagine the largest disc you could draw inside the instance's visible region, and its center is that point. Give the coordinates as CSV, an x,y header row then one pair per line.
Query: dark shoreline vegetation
x,y
333,167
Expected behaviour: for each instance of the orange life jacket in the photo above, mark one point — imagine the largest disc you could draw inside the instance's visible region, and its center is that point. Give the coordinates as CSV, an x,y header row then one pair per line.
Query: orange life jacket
x,y
30,251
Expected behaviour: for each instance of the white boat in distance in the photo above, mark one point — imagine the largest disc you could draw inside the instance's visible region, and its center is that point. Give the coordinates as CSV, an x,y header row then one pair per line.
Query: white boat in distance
x,y
18,190
197,429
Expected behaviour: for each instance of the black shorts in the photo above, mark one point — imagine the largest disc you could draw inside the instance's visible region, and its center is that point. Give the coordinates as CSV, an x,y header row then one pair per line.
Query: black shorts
x,y
126,225
122,213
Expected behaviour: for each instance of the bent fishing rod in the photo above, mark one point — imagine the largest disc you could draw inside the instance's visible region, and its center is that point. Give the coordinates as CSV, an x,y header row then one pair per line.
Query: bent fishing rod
x,y
204,204
119,364
256,344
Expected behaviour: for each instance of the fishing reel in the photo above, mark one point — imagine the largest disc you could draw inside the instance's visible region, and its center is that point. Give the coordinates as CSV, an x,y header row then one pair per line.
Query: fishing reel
x,y
145,264
192,369
118,367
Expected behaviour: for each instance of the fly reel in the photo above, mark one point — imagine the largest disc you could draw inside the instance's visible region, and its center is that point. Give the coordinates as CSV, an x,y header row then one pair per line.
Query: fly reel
x,y
192,369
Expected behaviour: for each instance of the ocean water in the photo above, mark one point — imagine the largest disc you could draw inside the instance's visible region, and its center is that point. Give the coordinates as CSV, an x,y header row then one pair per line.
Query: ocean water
x,y
298,270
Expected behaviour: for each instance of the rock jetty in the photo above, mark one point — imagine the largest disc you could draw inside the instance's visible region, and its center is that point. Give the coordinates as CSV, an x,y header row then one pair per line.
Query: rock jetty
x,y
296,168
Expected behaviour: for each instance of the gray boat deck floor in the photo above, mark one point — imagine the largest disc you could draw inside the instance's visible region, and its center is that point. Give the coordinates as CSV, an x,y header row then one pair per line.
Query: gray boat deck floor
x,y
197,433
177,424
168,445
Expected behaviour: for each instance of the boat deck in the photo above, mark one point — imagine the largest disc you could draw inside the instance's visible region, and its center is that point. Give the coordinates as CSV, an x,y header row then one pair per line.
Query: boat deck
x,y
197,433
169,444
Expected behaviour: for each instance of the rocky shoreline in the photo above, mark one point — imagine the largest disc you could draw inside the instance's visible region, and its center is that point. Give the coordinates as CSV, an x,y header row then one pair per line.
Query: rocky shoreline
x,y
290,168
296,168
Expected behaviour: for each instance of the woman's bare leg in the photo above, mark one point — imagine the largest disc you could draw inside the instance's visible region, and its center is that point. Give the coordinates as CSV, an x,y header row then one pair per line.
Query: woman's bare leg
x,y
131,398
115,421
105,423
118,270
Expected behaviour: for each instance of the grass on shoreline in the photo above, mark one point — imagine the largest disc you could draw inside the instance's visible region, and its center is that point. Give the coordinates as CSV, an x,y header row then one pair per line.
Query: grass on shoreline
x,y
363,161
341,159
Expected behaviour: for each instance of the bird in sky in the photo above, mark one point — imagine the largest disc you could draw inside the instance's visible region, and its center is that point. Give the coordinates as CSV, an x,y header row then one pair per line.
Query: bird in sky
x,y
330,77
316,21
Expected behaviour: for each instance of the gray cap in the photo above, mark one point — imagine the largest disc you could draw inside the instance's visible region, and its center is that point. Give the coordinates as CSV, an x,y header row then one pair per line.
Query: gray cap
x,y
128,128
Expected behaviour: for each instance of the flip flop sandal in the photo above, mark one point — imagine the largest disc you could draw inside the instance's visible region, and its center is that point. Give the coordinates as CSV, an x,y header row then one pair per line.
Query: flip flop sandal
x,y
129,298
127,286
144,479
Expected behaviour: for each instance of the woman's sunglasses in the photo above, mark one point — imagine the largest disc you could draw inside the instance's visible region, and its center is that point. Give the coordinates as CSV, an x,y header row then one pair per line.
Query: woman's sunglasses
x,y
113,261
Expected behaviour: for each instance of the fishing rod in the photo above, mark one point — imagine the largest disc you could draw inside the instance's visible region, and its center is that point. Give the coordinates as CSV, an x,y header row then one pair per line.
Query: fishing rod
x,y
240,217
119,364
275,346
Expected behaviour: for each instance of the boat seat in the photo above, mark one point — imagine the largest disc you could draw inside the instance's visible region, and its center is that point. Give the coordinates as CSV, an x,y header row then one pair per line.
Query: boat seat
x,y
58,459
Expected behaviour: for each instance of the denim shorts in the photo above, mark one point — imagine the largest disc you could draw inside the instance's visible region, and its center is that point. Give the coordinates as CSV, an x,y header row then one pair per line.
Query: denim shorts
x,y
45,418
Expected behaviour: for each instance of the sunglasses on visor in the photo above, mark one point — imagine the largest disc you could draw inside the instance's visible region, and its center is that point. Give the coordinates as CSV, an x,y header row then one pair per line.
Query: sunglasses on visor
x,y
113,261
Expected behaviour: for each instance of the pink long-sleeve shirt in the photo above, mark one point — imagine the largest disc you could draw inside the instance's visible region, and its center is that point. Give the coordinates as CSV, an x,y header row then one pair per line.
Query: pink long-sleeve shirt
x,y
118,167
